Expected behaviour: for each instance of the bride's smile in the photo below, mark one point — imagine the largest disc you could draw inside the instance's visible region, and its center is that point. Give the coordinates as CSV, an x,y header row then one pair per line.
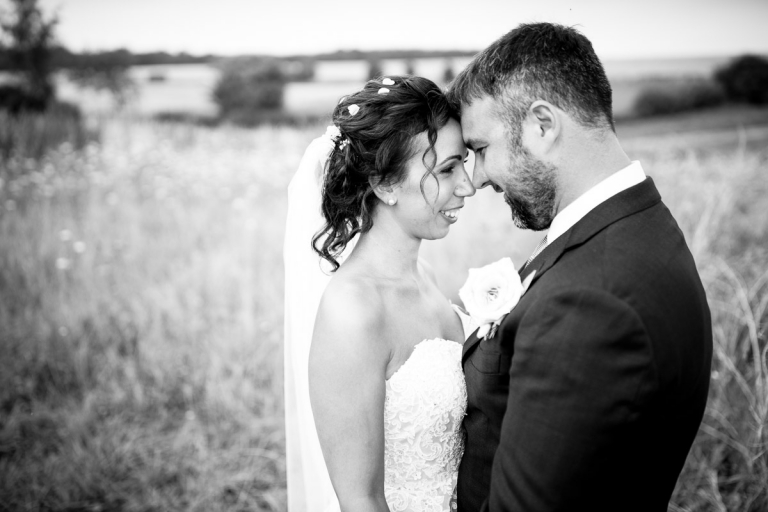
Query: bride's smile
x,y
429,199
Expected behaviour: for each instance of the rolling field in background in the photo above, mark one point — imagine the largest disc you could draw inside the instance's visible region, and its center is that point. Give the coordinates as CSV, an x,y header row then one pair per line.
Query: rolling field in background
x,y
141,309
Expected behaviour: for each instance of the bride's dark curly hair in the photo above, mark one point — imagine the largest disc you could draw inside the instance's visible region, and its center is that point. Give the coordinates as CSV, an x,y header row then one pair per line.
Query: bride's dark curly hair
x,y
379,139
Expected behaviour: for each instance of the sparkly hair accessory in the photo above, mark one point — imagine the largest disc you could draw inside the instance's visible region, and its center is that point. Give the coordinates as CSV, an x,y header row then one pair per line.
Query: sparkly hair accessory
x,y
333,134
353,109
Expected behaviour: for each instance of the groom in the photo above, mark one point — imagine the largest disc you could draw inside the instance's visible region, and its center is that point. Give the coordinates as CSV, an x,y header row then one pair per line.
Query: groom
x,y
590,393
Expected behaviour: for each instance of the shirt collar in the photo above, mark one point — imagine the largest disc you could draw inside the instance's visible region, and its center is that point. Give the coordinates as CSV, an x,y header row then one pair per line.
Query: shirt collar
x,y
617,182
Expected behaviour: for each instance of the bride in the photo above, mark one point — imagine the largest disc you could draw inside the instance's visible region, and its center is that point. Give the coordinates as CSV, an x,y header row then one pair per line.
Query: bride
x,y
383,375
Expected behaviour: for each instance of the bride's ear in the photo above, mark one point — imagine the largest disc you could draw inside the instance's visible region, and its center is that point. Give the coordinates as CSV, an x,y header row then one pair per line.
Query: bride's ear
x,y
385,192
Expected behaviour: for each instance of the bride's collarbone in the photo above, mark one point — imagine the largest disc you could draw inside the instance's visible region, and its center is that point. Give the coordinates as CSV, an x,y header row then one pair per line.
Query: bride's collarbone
x,y
409,306
408,323
409,310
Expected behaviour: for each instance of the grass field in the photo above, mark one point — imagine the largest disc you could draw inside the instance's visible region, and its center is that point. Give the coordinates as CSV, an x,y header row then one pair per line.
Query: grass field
x,y
141,310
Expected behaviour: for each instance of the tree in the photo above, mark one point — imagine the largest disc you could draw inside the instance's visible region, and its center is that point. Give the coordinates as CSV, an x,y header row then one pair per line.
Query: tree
x,y
250,90
374,69
106,71
745,79
672,98
27,39
448,74
409,68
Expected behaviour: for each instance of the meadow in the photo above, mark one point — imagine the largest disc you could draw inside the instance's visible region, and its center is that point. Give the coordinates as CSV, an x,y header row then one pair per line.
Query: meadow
x,y
141,308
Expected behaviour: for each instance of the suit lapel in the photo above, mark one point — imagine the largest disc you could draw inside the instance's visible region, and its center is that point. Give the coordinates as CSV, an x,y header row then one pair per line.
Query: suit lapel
x,y
528,274
470,344
544,261
625,203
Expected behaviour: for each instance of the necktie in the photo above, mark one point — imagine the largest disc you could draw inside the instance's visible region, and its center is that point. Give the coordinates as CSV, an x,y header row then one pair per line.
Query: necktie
x,y
537,250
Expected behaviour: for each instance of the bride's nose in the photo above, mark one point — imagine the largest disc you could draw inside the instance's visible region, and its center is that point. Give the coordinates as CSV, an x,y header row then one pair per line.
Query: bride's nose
x,y
465,188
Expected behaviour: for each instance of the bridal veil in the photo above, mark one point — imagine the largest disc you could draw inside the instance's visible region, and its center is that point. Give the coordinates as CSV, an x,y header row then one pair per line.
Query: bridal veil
x,y
309,486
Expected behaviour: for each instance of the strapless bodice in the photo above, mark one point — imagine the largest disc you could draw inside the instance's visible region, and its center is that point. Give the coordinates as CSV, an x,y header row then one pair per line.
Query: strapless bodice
x,y
425,403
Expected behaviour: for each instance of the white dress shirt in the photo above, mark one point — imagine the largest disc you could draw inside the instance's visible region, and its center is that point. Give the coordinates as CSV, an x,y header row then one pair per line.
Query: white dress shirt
x,y
617,182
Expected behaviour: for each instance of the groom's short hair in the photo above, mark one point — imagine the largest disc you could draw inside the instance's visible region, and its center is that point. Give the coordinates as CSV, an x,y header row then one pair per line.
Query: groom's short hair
x,y
542,61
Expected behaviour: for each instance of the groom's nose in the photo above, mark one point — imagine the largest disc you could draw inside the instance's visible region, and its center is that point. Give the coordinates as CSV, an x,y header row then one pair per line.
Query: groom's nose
x,y
479,178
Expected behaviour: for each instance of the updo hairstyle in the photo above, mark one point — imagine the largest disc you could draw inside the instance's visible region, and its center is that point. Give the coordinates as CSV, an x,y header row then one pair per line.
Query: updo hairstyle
x,y
378,127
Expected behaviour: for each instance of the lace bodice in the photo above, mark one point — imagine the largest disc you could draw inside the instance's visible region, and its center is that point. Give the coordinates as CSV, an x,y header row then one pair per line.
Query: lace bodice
x,y
425,402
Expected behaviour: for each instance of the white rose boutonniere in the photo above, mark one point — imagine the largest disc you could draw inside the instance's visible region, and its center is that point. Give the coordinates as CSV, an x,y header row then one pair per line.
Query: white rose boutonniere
x,y
490,293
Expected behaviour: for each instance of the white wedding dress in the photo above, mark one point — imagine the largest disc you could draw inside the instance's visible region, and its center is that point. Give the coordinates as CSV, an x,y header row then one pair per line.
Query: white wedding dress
x,y
425,398
423,441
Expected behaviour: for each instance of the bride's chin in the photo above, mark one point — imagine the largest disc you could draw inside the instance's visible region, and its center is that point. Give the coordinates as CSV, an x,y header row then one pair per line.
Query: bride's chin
x,y
437,234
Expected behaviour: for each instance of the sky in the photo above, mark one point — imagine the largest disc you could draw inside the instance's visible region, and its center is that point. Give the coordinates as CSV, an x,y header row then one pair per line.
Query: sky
x,y
617,28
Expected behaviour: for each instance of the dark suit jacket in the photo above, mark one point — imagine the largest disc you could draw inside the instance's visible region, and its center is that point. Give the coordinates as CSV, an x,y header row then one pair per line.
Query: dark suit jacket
x,y
591,392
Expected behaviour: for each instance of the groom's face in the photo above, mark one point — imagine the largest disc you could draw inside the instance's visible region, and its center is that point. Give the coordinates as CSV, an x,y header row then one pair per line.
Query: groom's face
x,y
503,162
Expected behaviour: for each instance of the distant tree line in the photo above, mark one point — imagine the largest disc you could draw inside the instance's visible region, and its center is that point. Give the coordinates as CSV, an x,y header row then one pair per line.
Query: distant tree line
x,y
744,79
62,58
378,55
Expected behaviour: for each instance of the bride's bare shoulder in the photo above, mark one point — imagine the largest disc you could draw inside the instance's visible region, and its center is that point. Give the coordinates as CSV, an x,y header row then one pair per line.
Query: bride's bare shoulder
x,y
349,322
350,303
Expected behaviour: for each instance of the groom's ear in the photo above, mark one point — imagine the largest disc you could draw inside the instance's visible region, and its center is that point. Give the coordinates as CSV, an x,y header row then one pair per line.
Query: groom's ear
x,y
544,124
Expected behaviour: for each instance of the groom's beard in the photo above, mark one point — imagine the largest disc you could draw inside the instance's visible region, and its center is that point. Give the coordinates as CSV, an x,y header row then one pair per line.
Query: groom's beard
x,y
532,196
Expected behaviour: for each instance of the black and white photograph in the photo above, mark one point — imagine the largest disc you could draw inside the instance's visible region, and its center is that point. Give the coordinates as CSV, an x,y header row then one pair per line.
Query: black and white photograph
x,y
383,256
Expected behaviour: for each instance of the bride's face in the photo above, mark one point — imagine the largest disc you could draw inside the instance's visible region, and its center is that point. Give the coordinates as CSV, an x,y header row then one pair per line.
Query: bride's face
x,y
429,215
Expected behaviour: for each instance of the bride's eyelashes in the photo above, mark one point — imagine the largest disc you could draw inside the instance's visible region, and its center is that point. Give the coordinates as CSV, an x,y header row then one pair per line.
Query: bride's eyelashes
x,y
452,167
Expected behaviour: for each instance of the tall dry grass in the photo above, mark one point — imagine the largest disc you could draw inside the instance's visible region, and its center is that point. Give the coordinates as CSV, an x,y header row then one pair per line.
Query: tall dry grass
x,y
141,321
719,198
141,316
